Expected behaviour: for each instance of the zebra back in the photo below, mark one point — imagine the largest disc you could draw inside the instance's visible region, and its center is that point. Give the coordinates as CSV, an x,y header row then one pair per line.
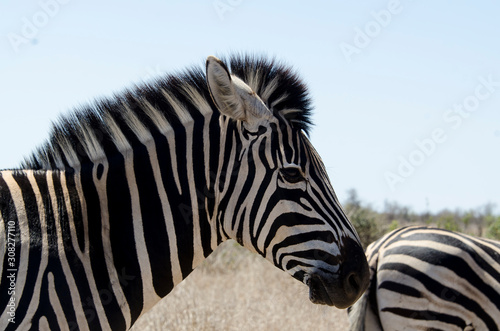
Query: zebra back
x,y
424,278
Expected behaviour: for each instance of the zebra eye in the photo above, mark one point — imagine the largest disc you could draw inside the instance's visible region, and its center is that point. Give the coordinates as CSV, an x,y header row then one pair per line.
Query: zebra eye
x,y
292,174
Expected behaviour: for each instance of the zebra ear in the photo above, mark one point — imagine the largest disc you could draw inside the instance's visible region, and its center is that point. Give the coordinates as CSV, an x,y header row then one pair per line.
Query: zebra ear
x,y
231,95
222,89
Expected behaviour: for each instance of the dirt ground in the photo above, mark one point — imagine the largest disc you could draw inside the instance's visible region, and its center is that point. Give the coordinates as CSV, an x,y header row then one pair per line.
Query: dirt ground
x,y
237,290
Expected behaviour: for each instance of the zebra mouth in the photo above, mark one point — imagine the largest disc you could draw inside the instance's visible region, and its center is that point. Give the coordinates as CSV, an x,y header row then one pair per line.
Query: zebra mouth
x,y
336,290
318,292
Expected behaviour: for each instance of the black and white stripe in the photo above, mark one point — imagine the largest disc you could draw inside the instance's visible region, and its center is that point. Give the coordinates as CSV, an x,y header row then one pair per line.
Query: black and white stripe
x,y
131,193
430,279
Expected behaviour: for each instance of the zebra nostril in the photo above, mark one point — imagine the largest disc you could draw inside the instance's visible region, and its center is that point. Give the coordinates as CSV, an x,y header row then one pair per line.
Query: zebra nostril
x,y
353,282
355,273
354,285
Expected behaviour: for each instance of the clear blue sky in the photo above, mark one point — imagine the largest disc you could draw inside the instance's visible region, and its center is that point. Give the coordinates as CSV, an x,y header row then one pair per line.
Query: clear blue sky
x,y
406,93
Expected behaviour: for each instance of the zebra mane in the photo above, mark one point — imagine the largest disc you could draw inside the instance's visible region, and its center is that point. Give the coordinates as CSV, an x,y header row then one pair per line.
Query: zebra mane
x,y
86,134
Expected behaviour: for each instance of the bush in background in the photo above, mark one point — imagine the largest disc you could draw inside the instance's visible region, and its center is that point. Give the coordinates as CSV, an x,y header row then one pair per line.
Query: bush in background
x,y
371,224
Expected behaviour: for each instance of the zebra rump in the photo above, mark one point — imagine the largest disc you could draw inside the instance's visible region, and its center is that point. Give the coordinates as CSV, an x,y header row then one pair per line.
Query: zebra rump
x,y
424,278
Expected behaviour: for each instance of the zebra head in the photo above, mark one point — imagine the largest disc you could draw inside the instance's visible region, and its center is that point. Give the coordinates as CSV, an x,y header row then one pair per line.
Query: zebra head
x,y
273,194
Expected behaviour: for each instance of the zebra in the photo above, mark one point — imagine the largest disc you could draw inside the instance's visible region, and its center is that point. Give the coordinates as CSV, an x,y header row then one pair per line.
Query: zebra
x,y
424,278
131,192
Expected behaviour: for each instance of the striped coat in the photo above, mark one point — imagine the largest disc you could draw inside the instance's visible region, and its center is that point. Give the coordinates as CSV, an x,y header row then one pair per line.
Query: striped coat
x,y
430,279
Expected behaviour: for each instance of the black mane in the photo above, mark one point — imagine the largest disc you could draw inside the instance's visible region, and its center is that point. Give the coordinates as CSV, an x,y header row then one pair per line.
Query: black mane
x,y
288,93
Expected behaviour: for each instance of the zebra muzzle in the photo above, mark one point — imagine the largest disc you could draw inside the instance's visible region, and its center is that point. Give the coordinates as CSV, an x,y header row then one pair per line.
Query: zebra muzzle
x,y
343,288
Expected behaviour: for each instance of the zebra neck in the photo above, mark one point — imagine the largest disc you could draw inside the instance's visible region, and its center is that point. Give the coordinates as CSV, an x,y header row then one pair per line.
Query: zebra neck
x,y
151,201
114,228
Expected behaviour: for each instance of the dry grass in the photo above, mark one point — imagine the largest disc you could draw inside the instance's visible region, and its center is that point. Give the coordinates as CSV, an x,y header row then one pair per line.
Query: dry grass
x,y
237,290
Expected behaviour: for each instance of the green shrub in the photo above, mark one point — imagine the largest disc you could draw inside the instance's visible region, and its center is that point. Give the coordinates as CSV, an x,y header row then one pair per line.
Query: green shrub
x,y
366,226
447,222
493,231
393,226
